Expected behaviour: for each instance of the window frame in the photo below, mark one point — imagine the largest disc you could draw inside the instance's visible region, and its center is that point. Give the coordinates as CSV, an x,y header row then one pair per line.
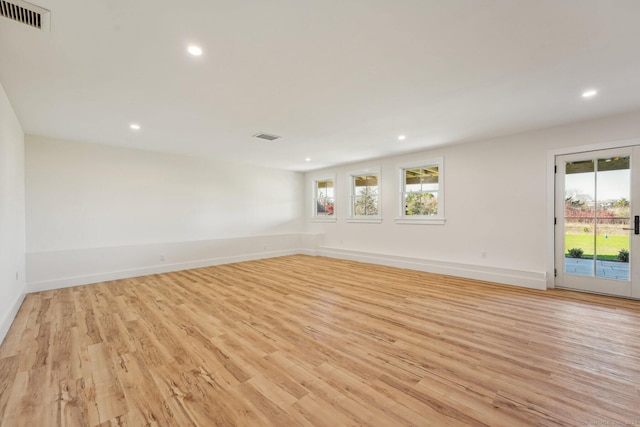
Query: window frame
x,y
314,207
352,196
438,219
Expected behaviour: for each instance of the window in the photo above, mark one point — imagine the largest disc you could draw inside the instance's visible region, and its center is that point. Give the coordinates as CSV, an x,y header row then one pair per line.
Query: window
x,y
365,196
324,199
421,195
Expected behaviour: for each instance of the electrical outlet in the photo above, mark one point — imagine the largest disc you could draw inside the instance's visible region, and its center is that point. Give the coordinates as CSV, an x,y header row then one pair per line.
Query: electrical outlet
x,y
163,257
17,275
265,247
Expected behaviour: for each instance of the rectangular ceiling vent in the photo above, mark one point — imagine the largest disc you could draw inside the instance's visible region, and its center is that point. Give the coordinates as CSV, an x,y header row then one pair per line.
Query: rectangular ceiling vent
x,y
26,13
266,136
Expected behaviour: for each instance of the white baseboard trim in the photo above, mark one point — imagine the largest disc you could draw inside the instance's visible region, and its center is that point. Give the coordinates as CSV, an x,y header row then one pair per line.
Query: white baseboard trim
x,y
7,321
527,279
310,252
50,270
67,282
63,269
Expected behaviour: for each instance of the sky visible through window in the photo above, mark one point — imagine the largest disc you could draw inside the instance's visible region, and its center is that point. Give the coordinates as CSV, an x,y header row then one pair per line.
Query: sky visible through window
x,y
612,185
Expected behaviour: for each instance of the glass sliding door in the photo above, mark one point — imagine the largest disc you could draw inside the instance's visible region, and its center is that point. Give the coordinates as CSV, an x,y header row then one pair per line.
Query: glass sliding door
x,y
594,222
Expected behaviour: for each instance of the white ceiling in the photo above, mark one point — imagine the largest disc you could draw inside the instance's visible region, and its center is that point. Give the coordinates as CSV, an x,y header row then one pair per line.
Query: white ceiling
x,y
338,79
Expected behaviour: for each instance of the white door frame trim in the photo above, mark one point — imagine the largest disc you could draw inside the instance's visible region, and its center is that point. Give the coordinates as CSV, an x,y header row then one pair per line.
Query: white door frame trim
x,y
550,207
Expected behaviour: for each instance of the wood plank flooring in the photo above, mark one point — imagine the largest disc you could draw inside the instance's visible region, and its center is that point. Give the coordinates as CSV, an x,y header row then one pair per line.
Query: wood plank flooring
x,y
314,341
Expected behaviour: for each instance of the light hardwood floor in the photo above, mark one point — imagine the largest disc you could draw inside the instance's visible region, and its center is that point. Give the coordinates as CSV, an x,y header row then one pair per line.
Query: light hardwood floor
x,y
314,341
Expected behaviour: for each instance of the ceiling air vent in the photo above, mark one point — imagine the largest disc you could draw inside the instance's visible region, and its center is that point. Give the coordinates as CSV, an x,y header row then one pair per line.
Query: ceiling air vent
x,y
266,136
26,13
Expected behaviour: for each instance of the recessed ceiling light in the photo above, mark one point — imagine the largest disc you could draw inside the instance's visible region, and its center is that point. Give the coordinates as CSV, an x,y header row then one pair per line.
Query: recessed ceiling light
x,y
134,126
194,50
589,93
308,159
402,138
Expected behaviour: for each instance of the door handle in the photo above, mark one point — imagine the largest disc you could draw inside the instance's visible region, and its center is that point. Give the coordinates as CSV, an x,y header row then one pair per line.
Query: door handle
x,y
636,225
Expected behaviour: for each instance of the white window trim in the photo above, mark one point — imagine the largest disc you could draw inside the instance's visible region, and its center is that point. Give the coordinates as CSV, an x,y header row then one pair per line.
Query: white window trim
x,y
314,216
421,219
372,219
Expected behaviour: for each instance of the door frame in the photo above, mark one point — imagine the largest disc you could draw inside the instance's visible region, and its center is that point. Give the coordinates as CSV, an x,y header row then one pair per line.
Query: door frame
x,y
551,195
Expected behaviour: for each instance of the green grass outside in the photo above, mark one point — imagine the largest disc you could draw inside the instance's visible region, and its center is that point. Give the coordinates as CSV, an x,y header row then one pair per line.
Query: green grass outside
x,y
608,248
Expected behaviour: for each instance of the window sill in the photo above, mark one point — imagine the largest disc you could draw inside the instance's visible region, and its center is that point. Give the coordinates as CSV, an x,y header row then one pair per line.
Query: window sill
x,y
365,220
319,219
420,221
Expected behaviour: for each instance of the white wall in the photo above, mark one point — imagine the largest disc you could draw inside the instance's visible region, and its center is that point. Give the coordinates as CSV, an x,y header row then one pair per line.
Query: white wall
x,y
496,204
97,212
12,216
